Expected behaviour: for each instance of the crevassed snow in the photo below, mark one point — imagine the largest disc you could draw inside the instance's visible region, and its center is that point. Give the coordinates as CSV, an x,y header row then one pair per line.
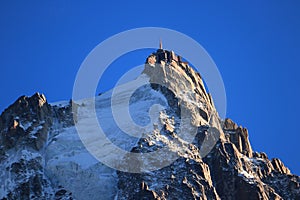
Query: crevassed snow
x,y
67,147
67,159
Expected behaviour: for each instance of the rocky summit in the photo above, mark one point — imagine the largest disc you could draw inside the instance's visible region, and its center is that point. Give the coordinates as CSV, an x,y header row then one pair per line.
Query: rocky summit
x,y
202,156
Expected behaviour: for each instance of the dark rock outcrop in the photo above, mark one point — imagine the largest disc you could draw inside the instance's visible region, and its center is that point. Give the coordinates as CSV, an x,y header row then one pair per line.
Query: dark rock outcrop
x,y
26,122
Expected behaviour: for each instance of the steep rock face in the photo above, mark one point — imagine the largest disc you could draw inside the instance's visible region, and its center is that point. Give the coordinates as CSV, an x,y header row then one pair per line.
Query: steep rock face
x,y
238,172
187,87
238,136
233,175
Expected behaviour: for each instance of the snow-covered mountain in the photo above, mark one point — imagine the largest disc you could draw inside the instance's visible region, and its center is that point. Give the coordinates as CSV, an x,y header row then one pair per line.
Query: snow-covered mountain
x,y
162,140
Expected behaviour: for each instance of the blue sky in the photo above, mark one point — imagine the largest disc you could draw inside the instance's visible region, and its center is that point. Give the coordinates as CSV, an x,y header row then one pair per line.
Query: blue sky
x,y
255,45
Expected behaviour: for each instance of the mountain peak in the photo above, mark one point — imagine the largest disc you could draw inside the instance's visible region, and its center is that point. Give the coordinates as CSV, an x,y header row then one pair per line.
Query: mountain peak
x,y
43,155
167,69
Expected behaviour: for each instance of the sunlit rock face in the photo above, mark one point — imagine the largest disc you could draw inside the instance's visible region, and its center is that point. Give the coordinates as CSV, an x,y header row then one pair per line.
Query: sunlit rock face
x,y
42,156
